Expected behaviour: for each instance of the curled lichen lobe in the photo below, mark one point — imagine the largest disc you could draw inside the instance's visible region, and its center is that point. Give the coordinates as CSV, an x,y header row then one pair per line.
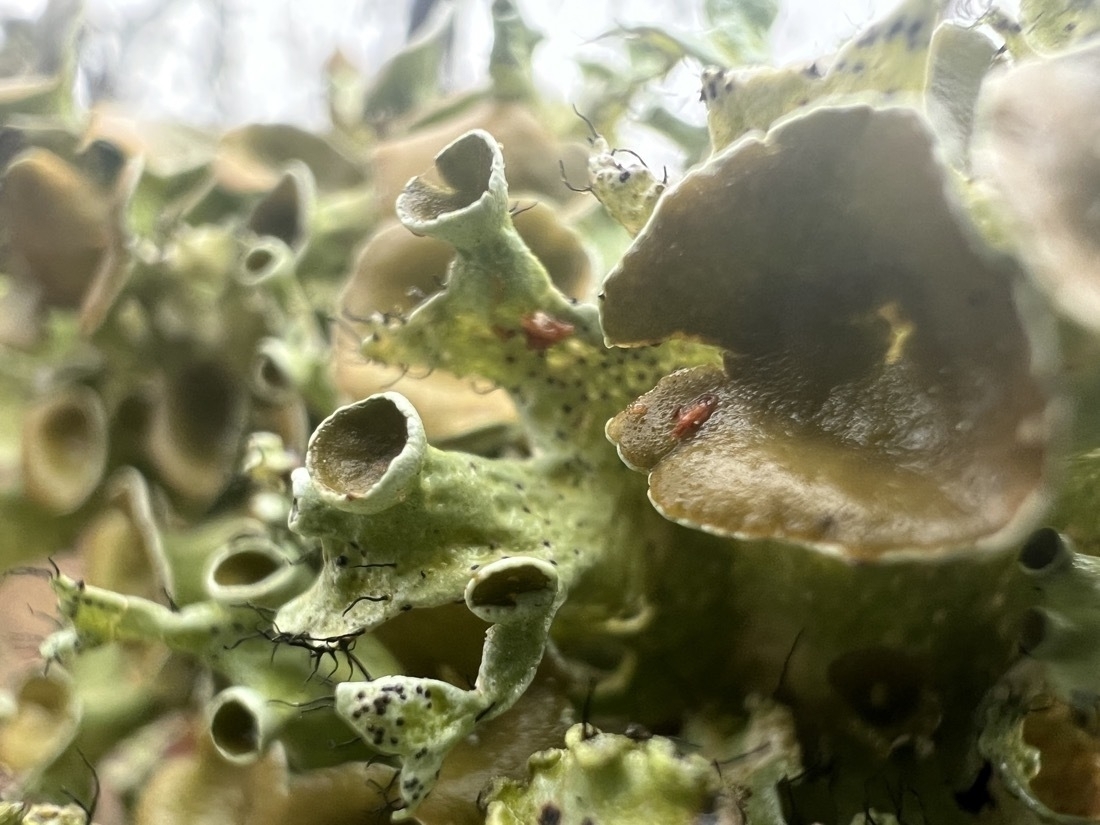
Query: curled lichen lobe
x,y
857,398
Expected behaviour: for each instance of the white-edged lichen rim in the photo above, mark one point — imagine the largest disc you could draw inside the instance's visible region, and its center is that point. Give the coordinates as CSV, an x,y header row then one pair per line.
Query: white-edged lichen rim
x,y
271,375
366,456
291,201
64,448
423,207
512,589
241,724
267,260
251,569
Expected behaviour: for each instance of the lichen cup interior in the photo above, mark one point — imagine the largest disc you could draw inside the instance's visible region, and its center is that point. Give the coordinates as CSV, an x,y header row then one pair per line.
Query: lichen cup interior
x,y
886,381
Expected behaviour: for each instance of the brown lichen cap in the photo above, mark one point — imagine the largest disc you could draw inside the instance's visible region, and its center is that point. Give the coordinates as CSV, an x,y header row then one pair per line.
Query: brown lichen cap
x,y
882,389
57,225
1038,145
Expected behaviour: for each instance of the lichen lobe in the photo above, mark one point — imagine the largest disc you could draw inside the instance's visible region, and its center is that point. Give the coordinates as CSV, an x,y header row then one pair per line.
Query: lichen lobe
x,y
861,408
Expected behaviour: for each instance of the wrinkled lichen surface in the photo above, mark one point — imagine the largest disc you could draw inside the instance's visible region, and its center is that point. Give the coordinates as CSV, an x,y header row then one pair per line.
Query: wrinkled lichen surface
x,y
455,466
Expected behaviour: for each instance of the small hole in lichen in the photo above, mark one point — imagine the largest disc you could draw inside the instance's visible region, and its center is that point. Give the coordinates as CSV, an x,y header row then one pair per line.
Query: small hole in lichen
x,y
503,589
204,405
272,376
245,568
234,729
258,260
1042,550
69,433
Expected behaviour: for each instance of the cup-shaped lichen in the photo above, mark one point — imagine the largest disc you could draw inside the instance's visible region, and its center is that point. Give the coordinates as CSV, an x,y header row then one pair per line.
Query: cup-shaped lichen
x,y
365,457
1060,632
519,596
395,271
195,428
859,408
243,723
57,224
64,448
252,569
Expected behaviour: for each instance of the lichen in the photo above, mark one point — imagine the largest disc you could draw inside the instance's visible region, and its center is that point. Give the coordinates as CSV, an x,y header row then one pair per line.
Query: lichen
x,y
789,241
325,421
602,777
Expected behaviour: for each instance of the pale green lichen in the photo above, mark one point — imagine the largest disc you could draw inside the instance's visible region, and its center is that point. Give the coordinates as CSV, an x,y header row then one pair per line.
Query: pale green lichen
x,y
1060,632
620,180
421,720
194,314
883,62
1036,129
1055,26
236,641
610,778
20,813
959,58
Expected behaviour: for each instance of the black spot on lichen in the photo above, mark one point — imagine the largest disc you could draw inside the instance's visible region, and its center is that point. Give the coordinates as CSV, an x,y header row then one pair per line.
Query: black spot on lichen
x,y
549,815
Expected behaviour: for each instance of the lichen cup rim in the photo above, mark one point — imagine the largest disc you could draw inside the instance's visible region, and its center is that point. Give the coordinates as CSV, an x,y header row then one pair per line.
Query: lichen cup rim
x,y
851,388
380,476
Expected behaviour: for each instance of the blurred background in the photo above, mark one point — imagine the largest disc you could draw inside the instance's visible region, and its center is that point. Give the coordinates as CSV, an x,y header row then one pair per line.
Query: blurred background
x,y
222,63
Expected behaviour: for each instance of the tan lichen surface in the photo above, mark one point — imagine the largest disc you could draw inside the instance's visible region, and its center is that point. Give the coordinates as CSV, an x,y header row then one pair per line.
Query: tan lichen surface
x,y
1068,780
859,409
1035,145
42,191
1047,756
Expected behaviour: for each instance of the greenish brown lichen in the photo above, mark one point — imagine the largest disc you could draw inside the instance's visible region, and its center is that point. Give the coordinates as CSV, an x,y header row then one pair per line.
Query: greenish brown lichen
x,y
858,365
